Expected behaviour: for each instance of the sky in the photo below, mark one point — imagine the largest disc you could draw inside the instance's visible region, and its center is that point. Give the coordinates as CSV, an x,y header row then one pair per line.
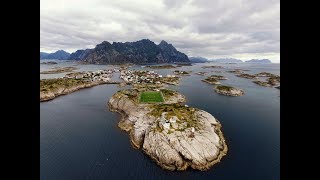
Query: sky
x,y
243,29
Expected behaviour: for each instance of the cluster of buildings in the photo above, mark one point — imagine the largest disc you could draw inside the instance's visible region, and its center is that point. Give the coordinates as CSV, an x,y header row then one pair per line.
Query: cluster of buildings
x,y
100,75
140,76
172,124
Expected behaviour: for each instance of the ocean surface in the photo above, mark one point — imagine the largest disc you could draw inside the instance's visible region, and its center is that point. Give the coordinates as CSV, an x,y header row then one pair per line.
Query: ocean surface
x,y
79,137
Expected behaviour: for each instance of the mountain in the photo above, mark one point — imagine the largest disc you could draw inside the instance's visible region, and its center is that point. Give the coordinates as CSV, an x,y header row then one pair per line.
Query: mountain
x,y
60,54
198,59
139,52
79,54
262,61
171,54
227,60
43,54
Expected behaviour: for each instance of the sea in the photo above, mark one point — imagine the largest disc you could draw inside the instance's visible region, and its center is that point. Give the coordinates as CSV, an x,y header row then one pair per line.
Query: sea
x,y
80,139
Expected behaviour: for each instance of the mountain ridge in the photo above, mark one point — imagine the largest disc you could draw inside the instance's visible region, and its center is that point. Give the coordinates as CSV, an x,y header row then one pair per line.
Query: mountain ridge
x,y
138,52
60,55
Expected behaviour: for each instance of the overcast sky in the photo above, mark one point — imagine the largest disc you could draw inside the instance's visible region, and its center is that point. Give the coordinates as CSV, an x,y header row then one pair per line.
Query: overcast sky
x,y
243,29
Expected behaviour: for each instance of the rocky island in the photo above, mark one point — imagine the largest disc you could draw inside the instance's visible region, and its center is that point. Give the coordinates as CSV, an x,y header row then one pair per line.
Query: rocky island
x,y
213,79
174,135
265,74
229,91
271,81
247,76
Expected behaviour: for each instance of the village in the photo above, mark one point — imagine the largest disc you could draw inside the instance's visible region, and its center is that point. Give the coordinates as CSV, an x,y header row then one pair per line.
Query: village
x,y
96,76
144,76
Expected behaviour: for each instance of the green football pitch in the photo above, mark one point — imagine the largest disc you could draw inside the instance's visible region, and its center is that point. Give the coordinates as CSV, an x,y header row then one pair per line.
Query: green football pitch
x,y
151,96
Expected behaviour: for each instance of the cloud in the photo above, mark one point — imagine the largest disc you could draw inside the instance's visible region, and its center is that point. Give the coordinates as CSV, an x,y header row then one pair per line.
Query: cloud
x,y
209,28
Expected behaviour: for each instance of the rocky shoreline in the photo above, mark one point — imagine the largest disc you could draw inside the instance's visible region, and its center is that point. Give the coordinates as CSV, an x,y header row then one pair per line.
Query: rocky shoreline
x,y
174,135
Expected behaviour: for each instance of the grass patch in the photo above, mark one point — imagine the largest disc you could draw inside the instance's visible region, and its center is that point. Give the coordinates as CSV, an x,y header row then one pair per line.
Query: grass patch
x,y
151,96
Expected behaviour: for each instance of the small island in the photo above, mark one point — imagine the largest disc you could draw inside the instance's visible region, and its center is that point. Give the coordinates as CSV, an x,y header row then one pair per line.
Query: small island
x,y
58,70
271,81
247,76
265,74
229,91
213,79
174,135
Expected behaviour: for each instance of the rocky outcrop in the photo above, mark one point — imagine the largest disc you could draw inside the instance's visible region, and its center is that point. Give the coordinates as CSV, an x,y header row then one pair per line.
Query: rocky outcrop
x,y
229,91
173,135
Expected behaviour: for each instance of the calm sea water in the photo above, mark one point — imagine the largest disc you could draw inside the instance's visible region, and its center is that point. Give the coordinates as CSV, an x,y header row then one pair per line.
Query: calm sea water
x,y
79,137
